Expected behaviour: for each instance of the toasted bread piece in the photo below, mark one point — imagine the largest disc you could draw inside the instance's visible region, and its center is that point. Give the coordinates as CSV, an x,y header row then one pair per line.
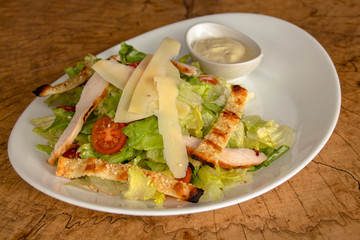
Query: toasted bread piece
x,y
210,149
75,168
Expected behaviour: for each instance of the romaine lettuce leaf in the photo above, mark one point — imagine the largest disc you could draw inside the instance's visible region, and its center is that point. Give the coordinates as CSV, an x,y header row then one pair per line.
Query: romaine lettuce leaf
x,y
140,187
238,137
62,119
272,154
129,54
43,123
127,153
86,150
45,148
262,134
192,124
97,184
144,134
156,155
74,71
68,98
188,95
214,180
51,127
108,105
155,166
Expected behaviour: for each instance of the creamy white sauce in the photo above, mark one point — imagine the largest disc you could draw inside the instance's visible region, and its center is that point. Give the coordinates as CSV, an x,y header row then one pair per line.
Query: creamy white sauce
x,y
223,50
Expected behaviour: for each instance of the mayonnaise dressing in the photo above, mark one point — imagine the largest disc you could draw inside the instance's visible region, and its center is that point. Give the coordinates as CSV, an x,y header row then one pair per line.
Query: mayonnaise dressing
x,y
223,50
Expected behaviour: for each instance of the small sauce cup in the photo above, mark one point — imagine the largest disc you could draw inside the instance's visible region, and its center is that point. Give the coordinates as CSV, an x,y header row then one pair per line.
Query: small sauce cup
x,y
229,71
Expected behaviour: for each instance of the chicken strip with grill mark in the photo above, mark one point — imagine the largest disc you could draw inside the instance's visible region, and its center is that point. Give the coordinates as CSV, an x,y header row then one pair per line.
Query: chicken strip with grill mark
x,y
210,149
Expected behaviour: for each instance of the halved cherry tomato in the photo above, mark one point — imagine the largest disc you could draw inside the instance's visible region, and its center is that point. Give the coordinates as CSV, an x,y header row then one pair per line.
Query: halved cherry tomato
x,y
187,177
209,79
107,136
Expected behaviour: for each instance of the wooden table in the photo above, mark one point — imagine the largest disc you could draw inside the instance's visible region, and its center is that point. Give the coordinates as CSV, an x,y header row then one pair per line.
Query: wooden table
x,y
38,39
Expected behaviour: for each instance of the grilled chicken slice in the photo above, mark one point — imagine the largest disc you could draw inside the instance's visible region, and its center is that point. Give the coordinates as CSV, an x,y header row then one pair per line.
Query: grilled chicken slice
x,y
71,83
230,157
185,68
210,149
75,168
93,92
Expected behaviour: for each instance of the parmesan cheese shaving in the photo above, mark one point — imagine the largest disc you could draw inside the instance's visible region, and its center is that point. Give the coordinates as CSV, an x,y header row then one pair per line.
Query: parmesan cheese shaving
x,y
175,153
122,113
115,73
145,96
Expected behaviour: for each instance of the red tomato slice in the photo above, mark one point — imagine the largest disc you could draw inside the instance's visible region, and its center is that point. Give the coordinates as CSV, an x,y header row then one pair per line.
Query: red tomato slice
x,y
187,177
209,79
107,136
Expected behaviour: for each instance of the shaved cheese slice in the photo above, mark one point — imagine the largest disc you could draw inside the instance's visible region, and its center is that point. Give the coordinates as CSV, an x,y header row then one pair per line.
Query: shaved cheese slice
x,y
115,73
122,113
175,153
145,96
182,108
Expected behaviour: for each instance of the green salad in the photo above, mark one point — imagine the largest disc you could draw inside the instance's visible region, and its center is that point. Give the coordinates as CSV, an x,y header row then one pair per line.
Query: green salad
x,y
143,146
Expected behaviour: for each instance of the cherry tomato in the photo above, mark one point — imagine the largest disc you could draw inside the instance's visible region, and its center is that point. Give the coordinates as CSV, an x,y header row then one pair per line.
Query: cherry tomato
x,y
68,109
187,177
209,79
71,153
107,136
134,65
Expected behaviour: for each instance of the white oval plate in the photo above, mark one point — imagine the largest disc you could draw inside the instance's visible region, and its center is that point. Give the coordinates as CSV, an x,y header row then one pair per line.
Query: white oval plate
x,y
296,84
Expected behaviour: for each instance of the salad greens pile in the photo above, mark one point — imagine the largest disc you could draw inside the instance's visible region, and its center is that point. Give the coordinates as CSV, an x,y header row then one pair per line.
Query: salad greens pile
x,y
144,145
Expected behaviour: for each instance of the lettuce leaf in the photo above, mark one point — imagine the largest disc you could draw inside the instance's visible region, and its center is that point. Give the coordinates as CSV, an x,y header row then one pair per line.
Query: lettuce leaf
x,y
140,187
86,150
74,71
45,148
189,95
129,54
262,134
127,153
238,137
68,98
192,124
214,180
155,166
97,184
61,121
108,105
51,127
43,123
144,134
272,154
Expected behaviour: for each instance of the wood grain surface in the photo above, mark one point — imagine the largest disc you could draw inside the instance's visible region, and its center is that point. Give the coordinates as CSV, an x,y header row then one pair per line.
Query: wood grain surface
x,y
38,39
